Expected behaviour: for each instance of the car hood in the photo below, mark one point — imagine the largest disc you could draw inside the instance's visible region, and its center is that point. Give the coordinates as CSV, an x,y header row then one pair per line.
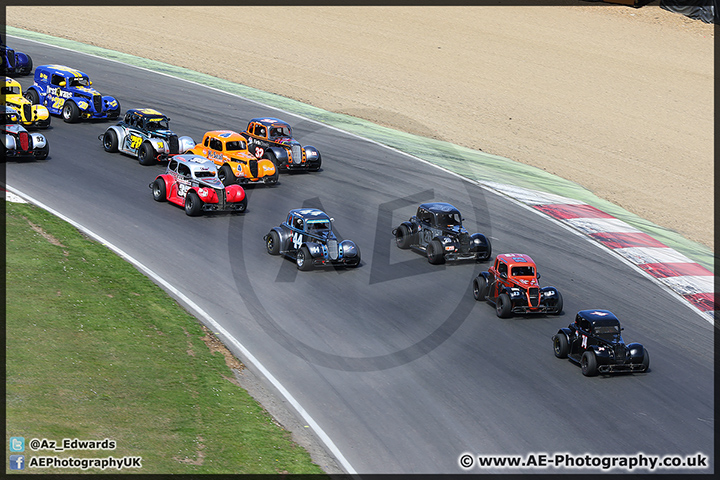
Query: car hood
x,y
211,183
83,90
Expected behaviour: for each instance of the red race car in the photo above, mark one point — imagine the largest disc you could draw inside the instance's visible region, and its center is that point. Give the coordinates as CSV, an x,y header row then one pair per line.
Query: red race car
x,y
192,182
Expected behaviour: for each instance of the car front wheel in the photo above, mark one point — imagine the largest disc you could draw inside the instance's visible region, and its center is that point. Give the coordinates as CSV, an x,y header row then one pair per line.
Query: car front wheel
x,y
435,253
503,307
588,363
193,204
226,175
70,112
146,154
303,259
33,96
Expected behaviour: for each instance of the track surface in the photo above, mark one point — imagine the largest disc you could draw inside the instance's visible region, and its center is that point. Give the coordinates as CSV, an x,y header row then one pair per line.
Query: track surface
x,y
394,360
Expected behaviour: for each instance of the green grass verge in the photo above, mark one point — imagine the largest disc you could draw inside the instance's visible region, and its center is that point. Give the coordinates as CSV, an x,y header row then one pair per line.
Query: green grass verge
x,y
95,350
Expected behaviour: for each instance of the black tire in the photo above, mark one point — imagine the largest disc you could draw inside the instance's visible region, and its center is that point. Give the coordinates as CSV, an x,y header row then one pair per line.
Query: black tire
x,y
316,166
114,114
480,288
271,156
403,237
226,175
193,204
560,345
503,306
70,112
242,205
33,96
110,141
273,243
146,154
303,259
158,190
588,363
435,253
646,359
42,153
558,305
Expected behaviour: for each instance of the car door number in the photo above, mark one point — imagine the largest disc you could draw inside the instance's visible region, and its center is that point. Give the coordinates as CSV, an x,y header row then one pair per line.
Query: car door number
x,y
183,189
135,142
297,240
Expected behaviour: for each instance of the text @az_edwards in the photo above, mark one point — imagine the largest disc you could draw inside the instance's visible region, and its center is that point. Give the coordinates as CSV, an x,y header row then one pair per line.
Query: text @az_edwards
x,y
585,461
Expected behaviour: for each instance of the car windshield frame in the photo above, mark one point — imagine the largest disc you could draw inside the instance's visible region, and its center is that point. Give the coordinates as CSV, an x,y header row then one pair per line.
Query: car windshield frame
x,y
522,271
78,82
609,333
318,225
156,123
235,146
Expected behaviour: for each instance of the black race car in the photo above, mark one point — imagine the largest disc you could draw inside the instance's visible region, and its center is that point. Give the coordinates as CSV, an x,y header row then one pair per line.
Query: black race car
x,y
307,237
436,230
272,138
594,342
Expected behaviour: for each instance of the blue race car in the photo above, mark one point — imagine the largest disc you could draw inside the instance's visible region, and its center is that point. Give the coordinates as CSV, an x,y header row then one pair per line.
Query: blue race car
x,y
67,92
13,62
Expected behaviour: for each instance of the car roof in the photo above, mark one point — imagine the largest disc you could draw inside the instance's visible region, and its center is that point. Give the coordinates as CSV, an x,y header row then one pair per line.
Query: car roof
x,y
60,70
146,112
598,317
310,214
439,207
516,259
225,135
268,121
195,162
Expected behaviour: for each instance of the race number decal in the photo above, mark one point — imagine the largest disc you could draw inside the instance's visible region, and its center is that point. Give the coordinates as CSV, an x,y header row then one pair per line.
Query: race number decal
x,y
183,189
135,141
297,240
259,152
584,342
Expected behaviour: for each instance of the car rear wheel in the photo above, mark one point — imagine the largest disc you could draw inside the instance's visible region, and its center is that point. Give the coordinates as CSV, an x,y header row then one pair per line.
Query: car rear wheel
x,y
146,154
560,345
272,179
33,96
193,204
503,307
558,305
480,288
273,243
403,237
158,190
435,253
70,112
42,153
226,175
110,141
303,259
588,363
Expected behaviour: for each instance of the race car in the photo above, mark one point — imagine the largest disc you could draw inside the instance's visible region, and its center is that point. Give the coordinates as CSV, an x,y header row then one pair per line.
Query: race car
x,y
30,115
67,92
511,283
145,133
191,182
14,62
271,138
306,236
18,142
436,230
228,150
594,342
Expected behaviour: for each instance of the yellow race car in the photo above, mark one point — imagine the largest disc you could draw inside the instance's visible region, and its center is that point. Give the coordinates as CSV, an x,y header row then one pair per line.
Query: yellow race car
x,y
30,115
229,151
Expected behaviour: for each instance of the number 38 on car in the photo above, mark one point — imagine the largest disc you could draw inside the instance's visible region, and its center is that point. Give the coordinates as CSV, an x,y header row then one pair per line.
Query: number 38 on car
x,y
307,237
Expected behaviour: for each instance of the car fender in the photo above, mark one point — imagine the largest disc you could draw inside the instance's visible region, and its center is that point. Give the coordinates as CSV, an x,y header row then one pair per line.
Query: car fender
x,y
40,112
266,167
206,194
40,93
234,193
9,142
158,144
549,292
185,144
312,154
121,132
480,243
636,350
168,179
280,153
110,103
567,332
348,248
285,237
38,140
316,250
21,60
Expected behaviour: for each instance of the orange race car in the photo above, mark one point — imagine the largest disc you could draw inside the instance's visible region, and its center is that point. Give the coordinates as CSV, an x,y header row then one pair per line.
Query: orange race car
x,y
229,151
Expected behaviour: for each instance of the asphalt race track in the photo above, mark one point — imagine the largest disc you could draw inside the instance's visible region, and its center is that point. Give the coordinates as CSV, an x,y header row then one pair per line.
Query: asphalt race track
x,y
394,360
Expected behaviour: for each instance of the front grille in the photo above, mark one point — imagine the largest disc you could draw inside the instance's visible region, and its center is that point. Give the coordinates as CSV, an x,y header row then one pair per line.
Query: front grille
x,y
222,197
97,103
296,154
253,165
464,242
332,246
27,111
174,144
24,141
620,354
534,296
11,57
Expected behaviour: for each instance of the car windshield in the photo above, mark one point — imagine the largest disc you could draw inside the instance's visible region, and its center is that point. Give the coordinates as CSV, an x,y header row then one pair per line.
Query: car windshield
x,y
523,271
80,82
235,146
318,225
157,124
279,131
448,219
10,90
610,333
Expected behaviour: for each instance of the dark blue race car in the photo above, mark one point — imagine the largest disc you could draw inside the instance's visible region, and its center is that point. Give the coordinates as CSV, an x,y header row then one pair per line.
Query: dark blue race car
x,y
14,62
